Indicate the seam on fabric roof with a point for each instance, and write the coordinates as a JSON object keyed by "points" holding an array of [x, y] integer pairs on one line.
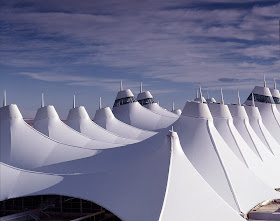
{"points": [[58, 142], [261, 129], [237, 144], [273, 111], [246, 126], [223, 167], [168, 177]]}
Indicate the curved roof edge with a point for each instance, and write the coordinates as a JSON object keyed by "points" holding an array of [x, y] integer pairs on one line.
{"points": [[124, 94], [197, 110]]}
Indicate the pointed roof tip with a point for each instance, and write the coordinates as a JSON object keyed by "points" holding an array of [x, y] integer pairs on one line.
{"points": [[253, 100], [172, 133], [222, 97], [275, 86], [100, 105], [5, 99], [42, 100], [74, 101], [264, 81], [238, 101], [121, 86], [141, 89]]}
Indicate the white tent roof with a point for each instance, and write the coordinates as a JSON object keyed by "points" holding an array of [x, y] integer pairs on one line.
{"points": [[198, 99], [47, 122], [262, 91], [275, 93], [177, 111], [264, 165], [216, 162], [16, 182], [260, 129], [25, 147], [154, 106], [106, 119], [144, 95], [182, 194], [158, 191], [211, 100], [124, 93], [79, 120], [258, 145], [136, 115], [268, 111], [156, 178]]}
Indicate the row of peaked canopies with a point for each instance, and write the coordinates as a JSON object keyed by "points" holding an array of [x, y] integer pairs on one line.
{"points": [[209, 162]]}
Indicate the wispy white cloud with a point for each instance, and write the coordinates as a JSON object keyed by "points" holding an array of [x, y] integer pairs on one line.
{"points": [[111, 84]]}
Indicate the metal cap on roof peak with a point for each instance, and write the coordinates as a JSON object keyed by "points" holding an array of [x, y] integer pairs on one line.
{"points": [[197, 109], [144, 95], [46, 112], [124, 93], [102, 113]]}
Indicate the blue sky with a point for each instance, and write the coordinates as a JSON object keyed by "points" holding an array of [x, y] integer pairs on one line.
{"points": [[86, 47]]}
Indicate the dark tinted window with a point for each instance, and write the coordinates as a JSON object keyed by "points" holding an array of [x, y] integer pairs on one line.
{"points": [[146, 101], [261, 98], [276, 100], [123, 101]]}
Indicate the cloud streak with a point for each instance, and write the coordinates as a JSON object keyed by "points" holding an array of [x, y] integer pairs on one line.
{"points": [[150, 39]]}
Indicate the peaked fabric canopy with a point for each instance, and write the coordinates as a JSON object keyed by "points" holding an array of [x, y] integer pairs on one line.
{"points": [[136, 115], [177, 111], [47, 122], [215, 161], [260, 129], [276, 96], [154, 106], [140, 191], [23, 146], [139, 169], [79, 120], [106, 119], [261, 162], [268, 110]]}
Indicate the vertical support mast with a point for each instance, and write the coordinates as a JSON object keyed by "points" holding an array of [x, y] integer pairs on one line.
{"points": [[200, 94], [238, 101], [253, 100], [42, 100], [121, 86], [74, 102], [100, 106], [222, 96], [141, 87], [5, 99]]}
